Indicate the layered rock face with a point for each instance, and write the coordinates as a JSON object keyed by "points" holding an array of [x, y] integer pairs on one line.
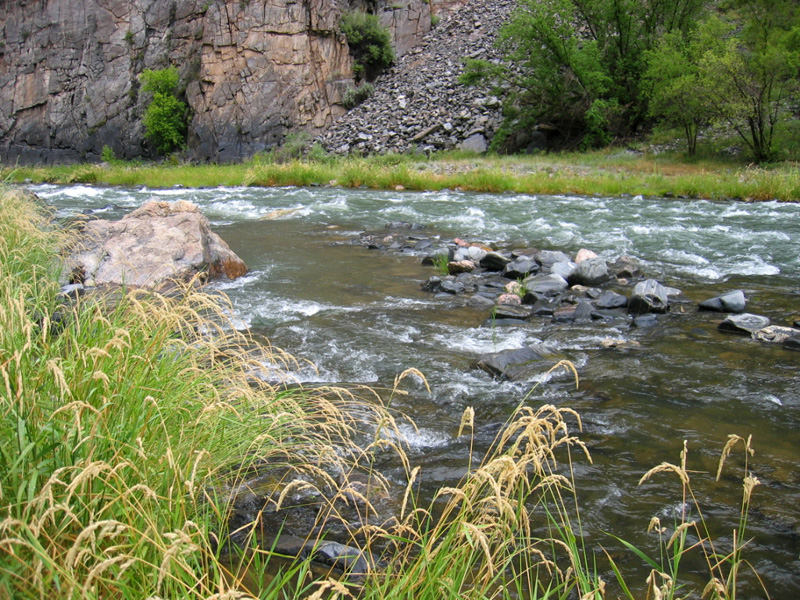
{"points": [[253, 70]]}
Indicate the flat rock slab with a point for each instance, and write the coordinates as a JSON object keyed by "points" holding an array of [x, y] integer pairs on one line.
{"points": [[155, 245], [522, 364], [745, 323]]}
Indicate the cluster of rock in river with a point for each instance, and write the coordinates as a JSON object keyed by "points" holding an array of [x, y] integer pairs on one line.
{"points": [[419, 102], [518, 285]]}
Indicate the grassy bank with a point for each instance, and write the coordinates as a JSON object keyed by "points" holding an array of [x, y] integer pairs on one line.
{"points": [[603, 173], [127, 422]]}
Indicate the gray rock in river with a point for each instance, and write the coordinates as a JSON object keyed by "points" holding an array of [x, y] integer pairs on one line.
{"points": [[546, 285], [610, 300], [155, 245], [649, 296], [494, 261], [563, 269], [522, 364], [775, 334], [732, 302], [745, 323], [592, 271], [521, 267], [547, 258], [793, 343]]}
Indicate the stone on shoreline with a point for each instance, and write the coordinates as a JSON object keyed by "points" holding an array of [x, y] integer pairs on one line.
{"points": [[157, 244]]}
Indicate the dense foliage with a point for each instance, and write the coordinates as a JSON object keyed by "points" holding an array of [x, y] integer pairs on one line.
{"points": [[600, 70], [165, 119], [370, 43]]}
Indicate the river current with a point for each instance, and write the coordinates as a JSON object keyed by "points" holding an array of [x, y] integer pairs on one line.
{"points": [[360, 316]]}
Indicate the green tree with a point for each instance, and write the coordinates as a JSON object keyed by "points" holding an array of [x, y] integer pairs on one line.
{"points": [[674, 85], [166, 116], [750, 68], [579, 64], [370, 43]]}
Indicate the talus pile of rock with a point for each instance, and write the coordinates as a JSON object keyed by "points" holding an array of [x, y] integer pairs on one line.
{"points": [[419, 103]]}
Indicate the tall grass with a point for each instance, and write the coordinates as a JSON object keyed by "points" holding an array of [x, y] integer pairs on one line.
{"points": [[125, 420]]}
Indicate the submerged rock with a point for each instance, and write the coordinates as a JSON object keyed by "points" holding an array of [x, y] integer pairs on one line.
{"points": [[609, 299], [732, 302], [745, 323], [158, 243]]}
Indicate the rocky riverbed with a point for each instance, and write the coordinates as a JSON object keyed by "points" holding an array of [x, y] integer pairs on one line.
{"points": [[523, 284]]}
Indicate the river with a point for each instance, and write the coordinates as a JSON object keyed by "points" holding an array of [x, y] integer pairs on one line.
{"points": [[360, 316]]}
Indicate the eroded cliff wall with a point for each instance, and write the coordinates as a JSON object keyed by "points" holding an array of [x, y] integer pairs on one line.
{"points": [[253, 70]]}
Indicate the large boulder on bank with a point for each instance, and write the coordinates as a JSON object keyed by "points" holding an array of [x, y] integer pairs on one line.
{"points": [[732, 302], [157, 244], [648, 296]]}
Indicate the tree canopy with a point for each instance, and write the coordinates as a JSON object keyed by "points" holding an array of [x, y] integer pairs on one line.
{"points": [[600, 70]]}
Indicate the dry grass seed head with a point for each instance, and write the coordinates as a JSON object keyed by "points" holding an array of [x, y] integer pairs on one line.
{"points": [[733, 440]]}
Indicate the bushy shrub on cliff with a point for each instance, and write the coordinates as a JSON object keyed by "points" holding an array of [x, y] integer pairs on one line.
{"points": [[165, 119], [370, 43]]}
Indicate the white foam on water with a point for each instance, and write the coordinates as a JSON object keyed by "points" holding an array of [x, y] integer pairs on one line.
{"points": [[422, 438], [482, 340]]}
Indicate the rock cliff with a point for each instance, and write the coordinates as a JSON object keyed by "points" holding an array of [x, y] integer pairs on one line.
{"points": [[253, 70]]}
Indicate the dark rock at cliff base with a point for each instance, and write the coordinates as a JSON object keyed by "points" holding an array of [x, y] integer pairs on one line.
{"points": [[522, 364], [592, 271], [745, 323], [611, 300], [158, 243], [732, 302]]}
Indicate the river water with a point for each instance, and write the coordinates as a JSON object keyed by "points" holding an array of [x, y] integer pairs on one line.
{"points": [[360, 316]]}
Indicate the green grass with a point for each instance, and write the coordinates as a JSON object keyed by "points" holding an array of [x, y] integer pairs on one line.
{"points": [[601, 173]]}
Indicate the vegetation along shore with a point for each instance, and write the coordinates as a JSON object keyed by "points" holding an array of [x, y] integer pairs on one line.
{"points": [[611, 172]]}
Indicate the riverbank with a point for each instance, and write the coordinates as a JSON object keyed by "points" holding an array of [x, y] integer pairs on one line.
{"points": [[603, 173]]}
